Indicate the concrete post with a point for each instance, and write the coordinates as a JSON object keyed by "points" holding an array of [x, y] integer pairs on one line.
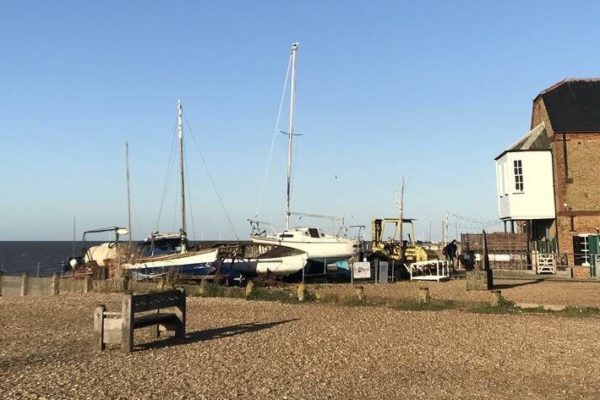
{"points": [[87, 284], [25, 284], [55, 284]]}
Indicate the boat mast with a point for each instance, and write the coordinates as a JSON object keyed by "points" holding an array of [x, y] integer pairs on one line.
{"points": [[291, 134], [399, 228], [128, 191], [182, 180]]}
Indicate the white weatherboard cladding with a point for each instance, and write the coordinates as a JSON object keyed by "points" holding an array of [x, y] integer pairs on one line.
{"points": [[536, 201]]}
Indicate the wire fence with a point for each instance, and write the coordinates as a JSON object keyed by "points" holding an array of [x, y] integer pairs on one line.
{"points": [[37, 269]]}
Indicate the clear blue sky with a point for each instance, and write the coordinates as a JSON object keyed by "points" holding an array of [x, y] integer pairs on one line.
{"points": [[429, 90]]}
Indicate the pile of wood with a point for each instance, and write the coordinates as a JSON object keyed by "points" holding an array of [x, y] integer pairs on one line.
{"points": [[497, 242]]}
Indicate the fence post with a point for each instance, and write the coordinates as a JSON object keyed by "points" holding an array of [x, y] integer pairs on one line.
{"points": [[55, 284], [87, 284], [1, 273], [25, 284]]}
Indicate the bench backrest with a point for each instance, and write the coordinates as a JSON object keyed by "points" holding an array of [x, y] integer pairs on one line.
{"points": [[152, 301]]}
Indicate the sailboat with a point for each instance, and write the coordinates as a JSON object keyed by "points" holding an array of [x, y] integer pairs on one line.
{"points": [[162, 252], [319, 246]]}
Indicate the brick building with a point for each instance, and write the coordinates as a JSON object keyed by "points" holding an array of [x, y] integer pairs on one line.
{"points": [[548, 182]]}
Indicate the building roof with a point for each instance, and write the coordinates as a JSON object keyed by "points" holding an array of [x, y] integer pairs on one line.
{"points": [[535, 140], [573, 105]]}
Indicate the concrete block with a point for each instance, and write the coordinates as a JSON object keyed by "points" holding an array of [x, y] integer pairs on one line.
{"points": [[480, 280]]}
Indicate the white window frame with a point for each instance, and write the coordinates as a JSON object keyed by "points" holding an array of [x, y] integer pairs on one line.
{"points": [[518, 175]]}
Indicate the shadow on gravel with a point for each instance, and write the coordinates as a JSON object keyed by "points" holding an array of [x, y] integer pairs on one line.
{"points": [[217, 333], [514, 285]]}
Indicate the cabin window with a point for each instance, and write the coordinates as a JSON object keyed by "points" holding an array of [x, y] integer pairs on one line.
{"points": [[518, 169], [314, 232], [286, 235]]}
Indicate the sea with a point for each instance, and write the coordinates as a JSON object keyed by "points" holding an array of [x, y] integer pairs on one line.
{"points": [[38, 258], [45, 258]]}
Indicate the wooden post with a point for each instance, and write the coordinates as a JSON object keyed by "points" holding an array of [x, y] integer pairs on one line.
{"points": [[87, 284], [99, 327], [160, 283], [127, 325], [25, 284], [203, 289], [249, 288], [319, 295], [423, 295], [301, 292], [55, 284], [496, 298], [125, 282], [360, 293], [1, 273]]}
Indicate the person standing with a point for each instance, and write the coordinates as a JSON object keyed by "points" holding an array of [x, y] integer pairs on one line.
{"points": [[450, 252]]}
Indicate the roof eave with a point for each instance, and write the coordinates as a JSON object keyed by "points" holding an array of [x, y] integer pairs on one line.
{"points": [[519, 151]]}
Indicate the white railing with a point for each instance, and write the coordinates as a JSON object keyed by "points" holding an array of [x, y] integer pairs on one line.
{"points": [[430, 270]]}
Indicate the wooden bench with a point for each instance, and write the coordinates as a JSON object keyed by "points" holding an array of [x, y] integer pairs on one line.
{"points": [[114, 327]]}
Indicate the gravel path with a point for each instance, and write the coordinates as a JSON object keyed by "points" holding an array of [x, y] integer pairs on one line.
{"points": [[265, 350]]}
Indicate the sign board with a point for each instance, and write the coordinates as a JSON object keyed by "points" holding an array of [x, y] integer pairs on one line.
{"points": [[499, 257], [361, 270], [383, 272]]}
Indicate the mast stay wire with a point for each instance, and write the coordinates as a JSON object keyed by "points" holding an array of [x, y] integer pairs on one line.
{"points": [[189, 195], [167, 179], [275, 132], [212, 181]]}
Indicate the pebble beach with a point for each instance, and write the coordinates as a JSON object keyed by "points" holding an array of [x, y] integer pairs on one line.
{"points": [[236, 348]]}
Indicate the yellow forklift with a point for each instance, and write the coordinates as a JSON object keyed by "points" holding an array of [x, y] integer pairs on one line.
{"points": [[396, 249]]}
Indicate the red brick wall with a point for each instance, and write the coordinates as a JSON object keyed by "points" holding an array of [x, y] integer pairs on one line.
{"points": [[578, 195], [580, 272]]}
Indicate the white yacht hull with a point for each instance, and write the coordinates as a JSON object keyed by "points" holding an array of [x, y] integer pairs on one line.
{"points": [[325, 250]]}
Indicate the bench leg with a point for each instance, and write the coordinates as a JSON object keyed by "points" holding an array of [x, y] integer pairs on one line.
{"points": [[179, 331], [180, 326], [157, 325], [127, 325]]}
